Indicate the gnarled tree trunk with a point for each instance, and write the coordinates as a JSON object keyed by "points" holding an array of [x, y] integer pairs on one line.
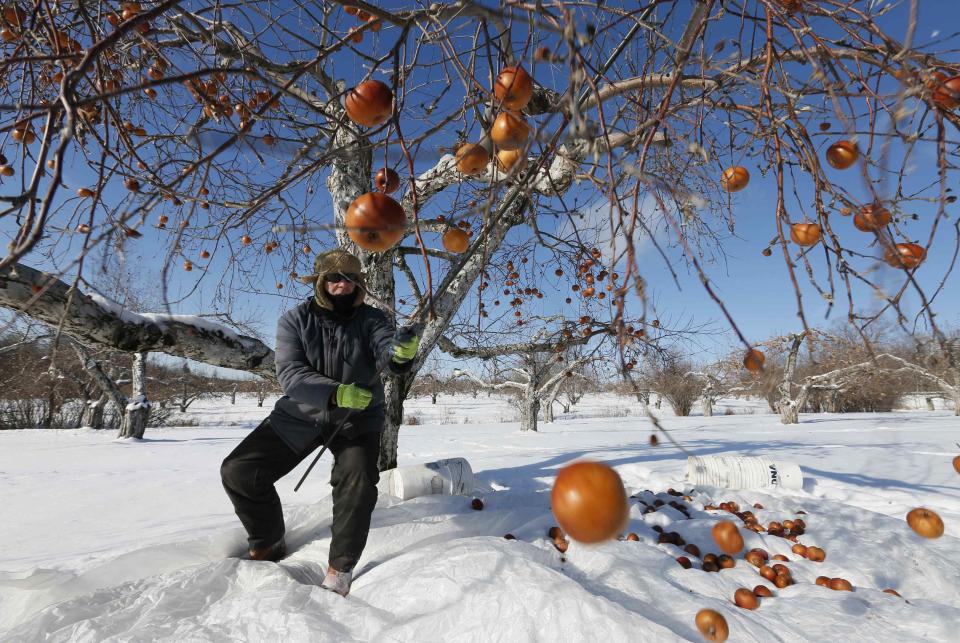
{"points": [[789, 412], [137, 409], [395, 391], [93, 412], [547, 409], [789, 408], [707, 405], [529, 405]]}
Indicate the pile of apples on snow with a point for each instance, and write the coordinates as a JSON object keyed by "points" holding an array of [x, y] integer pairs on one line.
{"points": [[590, 504]]}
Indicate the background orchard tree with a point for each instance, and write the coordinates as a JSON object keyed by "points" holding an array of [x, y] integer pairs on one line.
{"points": [[672, 376], [570, 390], [835, 371], [714, 384], [534, 368], [430, 381], [30, 391], [219, 133]]}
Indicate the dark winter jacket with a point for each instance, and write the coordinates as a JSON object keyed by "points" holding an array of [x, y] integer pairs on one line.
{"points": [[319, 349]]}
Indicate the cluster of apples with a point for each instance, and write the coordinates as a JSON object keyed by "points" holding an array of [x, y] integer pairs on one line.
{"points": [[872, 217], [128, 11], [728, 538], [589, 283], [710, 562], [511, 280], [355, 34], [788, 529], [589, 502], [725, 533], [375, 221], [513, 89], [14, 22]]}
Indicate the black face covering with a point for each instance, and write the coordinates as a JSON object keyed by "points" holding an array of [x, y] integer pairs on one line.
{"points": [[342, 304]]}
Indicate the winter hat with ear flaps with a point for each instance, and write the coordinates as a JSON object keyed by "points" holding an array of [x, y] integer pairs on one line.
{"points": [[336, 260]]}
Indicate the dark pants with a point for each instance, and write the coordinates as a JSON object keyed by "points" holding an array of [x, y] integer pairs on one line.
{"points": [[262, 458]]}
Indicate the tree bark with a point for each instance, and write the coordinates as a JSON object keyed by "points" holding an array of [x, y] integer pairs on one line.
{"points": [[47, 421], [108, 387], [790, 410], [94, 322], [84, 403], [455, 289], [789, 413], [548, 410], [552, 393], [831, 400], [137, 409], [708, 405], [956, 392], [93, 412], [529, 407], [395, 391]]}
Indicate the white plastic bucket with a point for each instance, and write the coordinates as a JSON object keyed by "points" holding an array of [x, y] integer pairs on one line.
{"points": [[452, 477], [737, 472]]}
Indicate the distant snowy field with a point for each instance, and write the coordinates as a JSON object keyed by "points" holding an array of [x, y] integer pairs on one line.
{"points": [[115, 540]]}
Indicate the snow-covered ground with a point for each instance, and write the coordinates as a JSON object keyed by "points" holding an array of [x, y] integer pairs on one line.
{"points": [[119, 540]]}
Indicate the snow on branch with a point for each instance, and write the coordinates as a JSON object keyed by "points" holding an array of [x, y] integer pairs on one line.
{"points": [[840, 375], [488, 352], [507, 384], [919, 370], [570, 370], [94, 320], [109, 387], [25, 342]]}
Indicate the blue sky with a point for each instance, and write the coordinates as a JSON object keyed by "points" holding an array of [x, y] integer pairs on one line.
{"points": [[755, 288]]}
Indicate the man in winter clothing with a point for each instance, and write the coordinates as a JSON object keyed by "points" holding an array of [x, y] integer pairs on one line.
{"points": [[330, 350]]}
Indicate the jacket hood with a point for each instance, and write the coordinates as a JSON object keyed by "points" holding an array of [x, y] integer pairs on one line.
{"points": [[336, 260]]}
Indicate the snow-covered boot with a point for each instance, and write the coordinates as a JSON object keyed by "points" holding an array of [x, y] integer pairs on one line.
{"points": [[273, 553], [338, 582]]}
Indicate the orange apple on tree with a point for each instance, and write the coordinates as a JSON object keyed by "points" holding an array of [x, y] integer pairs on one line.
{"points": [[842, 154], [375, 222], [734, 178]]}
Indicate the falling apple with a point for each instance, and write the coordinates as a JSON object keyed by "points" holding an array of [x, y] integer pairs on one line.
{"points": [[589, 501]]}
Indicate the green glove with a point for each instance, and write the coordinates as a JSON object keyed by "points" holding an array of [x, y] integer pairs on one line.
{"points": [[405, 348], [351, 396]]}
